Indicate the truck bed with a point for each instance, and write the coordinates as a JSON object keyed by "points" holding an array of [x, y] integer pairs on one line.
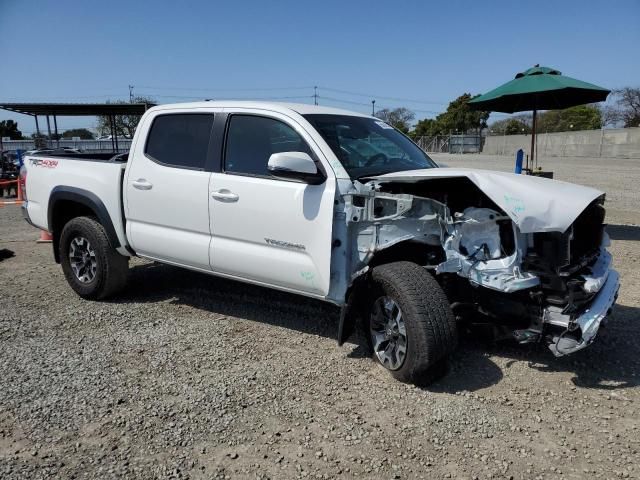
{"points": [[96, 175]]}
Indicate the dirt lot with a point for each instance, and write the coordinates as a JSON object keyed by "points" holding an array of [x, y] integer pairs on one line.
{"points": [[190, 376]]}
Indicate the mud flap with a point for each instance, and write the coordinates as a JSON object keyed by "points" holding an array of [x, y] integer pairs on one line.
{"points": [[347, 323]]}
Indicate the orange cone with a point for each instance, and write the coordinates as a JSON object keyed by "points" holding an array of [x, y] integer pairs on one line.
{"points": [[45, 237]]}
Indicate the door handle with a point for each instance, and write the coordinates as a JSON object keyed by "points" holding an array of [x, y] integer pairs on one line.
{"points": [[224, 195], [142, 184]]}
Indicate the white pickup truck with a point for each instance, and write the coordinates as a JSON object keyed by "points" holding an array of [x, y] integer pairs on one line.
{"points": [[338, 206]]}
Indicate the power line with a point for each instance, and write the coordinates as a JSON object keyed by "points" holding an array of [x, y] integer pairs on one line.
{"points": [[395, 99], [351, 102], [191, 97], [309, 87], [209, 89]]}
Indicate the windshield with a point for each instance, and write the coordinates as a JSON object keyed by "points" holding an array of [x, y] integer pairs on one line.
{"points": [[366, 146]]}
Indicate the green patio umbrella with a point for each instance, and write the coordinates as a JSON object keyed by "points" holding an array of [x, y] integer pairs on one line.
{"points": [[539, 88]]}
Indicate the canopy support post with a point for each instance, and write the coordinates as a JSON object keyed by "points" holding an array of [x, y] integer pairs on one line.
{"points": [[113, 133], [533, 139], [49, 131], [55, 129]]}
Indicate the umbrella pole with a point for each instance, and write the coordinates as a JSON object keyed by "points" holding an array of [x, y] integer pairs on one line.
{"points": [[533, 137]]}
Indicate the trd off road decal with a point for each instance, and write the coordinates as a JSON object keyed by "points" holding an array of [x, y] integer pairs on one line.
{"points": [[43, 162]]}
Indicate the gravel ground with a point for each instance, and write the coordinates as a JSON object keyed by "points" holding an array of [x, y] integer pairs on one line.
{"points": [[189, 376]]}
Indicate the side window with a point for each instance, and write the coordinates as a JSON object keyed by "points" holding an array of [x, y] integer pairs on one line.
{"points": [[180, 140], [251, 140]]}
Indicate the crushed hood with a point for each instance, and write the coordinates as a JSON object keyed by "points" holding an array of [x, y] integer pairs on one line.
{"points": [[535, 204]]}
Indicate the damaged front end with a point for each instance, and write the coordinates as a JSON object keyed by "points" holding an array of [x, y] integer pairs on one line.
{"points": [[543, 279]]}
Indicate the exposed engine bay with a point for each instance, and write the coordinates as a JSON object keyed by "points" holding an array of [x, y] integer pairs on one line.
{"points": [[518, 256]]}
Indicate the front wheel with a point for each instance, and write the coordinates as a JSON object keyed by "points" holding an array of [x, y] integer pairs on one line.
{"points": [[411, 328], [92, 267]]}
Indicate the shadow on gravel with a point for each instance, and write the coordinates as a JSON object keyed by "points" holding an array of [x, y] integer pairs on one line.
{"points": [[5, 253], [155, 282], [612, 362], [624, 232], [470, 369]]}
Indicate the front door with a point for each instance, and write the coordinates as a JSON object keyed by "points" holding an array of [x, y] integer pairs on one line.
{"points": [[264, 229], [167, 190]]}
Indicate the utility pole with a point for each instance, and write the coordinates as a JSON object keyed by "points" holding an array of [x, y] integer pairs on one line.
{"points": [[315, 95], [373, 108], [130, 93]]}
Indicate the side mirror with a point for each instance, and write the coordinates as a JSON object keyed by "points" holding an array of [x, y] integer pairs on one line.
{"points": [[296, 166]]}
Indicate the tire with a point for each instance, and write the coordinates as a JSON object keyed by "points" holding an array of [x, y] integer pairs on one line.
{"points": [[104, 272], [430, 333]]}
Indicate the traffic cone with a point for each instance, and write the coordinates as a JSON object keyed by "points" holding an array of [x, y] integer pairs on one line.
{"points": [[45, 237]]}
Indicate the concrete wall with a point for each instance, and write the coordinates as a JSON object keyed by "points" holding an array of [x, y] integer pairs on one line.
{"points": [[616, 143]]}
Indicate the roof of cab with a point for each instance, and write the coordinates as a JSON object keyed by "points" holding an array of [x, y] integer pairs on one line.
{"points": [[301, 108]]}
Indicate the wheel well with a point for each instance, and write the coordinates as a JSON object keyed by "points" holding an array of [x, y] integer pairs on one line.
{"points": [[66, 202], [63, 211], [410, 251]]}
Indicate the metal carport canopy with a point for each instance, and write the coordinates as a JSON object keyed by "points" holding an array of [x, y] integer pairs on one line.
{"points": [[75, 110]]}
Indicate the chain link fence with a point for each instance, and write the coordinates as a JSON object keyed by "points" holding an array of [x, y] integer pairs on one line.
{"points": [[450, 143]]}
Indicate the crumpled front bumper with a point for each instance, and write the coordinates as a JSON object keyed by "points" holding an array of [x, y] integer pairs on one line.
{"points": [[587, 324]]}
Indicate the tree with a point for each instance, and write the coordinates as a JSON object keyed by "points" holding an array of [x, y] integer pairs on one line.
{"points": [[516, 126], [125, 125], [428, 127], [83, 133], [9, 128], [611, 116], [628, 106], [457, 118], [460, 118], [512, 126], [399, 118], [581, 117]]}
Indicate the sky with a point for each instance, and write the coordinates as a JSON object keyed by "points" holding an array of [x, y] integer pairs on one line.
{"points": [[419, 55]]}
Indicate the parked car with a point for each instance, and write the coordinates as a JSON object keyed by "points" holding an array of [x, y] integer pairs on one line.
{"points": [[290, 197]]}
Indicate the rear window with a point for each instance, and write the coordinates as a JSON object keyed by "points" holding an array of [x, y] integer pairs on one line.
{"points": [[180, 140]]}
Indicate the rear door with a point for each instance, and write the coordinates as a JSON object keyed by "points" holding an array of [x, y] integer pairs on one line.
{"points": [[264, 229], [167, 188]]}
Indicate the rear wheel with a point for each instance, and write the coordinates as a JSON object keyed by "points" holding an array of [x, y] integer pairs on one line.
{"points": [[411, 328], [92, 267]]}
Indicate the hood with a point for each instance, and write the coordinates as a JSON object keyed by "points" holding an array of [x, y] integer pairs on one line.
{"points": [[534, 204]]}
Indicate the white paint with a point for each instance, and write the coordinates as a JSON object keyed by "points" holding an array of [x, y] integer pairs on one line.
{"points": [[248, 234], [103, 179], [534, 204], [166, 207]]}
